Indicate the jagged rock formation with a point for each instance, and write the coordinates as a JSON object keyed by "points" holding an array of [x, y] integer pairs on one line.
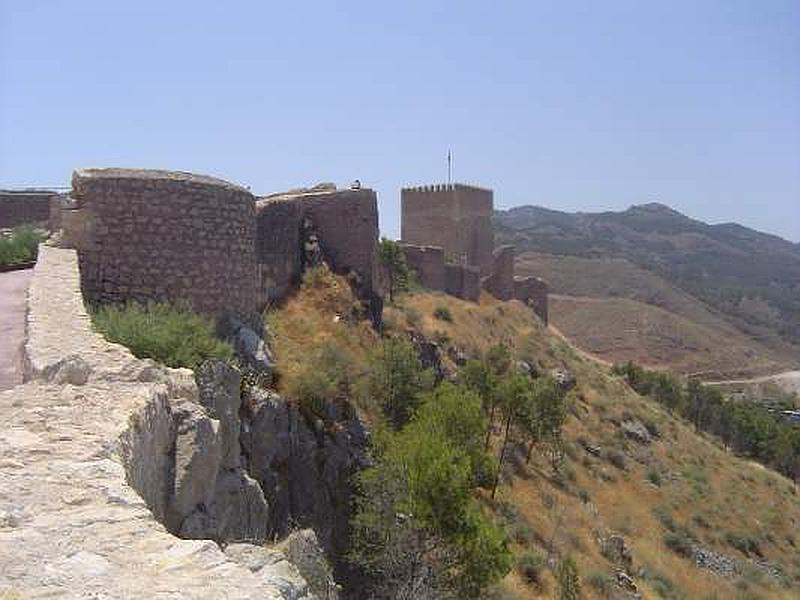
{"points": [[93, 426], [304, 466]]}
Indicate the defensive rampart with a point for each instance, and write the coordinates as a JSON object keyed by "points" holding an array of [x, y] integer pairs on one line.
{"points": [[427, 262], [92, 425], [463, 281], [533, 292], [295, 228], [500, 283], [21, 207], [165, 236]]}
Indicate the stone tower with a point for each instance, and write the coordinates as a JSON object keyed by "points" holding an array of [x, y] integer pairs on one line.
{"points": [[456, 217]]}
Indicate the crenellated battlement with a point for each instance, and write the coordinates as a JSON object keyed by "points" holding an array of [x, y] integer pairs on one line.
{"points": [[444, 187]]}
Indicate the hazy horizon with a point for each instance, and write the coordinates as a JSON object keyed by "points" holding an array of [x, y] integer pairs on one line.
{"points": [[573, 106]]}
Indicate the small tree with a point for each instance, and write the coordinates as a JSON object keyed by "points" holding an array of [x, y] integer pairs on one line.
{"points": [[514, 397], [393, 260], [418, 529], [569, 584], [396, 379], [544, 417]]}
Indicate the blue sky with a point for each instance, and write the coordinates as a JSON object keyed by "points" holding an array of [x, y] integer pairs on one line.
{"points": [[571, 105]]}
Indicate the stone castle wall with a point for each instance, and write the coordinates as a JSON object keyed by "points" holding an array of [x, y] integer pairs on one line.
{"points": [[279, 248], [427, 262], [533, 292], [25, 207], [500, 283], [166, 236], [101, 445], [456, 217], [463, 281], [344, 224]]}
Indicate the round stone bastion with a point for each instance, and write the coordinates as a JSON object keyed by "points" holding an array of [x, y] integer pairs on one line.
{"points": [[152, 235]]}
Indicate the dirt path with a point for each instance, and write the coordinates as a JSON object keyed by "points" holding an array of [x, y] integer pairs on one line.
{"points": [[13, 306], [789, 380], [581, 352]]}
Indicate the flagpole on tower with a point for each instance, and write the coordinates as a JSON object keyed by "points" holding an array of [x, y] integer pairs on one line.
{"points": [[449, 167]]}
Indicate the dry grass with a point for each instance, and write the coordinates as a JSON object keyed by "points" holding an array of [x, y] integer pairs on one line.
{"points": [[702, 488], [323, 311], [614, 309], [619, 329]]}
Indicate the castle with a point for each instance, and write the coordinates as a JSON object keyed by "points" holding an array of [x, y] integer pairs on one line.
{"points": [[163, 235], [448, 241]]}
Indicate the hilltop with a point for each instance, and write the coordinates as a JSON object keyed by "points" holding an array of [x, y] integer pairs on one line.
{"points": [[719, 298]]}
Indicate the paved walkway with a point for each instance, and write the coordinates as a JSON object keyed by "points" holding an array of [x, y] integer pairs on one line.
{"points": [[13, 303]]}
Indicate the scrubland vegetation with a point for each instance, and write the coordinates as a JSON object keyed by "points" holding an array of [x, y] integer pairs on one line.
{"points": [[747, 428], [21, 245], [173, 335]]}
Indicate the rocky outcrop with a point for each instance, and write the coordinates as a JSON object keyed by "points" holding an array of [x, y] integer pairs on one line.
{"points": [[89, 462], [635, 430], [430, 356], [305, 469]]}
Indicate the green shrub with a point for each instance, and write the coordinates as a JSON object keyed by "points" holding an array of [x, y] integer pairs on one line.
{"points": [[654, 477], [316, 277], [569, 583], [665, 587], [327, 373], [443, 314], [171, 334], [21, 246], [441, 338], [679, 543], [744, 543], [312, 389], [530, 566], [665, 517]]}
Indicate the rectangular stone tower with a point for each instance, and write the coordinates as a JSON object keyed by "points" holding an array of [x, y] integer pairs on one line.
{"points": [[456, 217]]}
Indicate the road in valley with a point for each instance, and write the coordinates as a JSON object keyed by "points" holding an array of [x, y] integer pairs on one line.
{"points": [[788, 380]]}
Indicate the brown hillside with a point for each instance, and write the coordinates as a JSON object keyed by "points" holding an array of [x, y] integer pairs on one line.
{"points": [[716, 496], [619, 311], [680, 484]]}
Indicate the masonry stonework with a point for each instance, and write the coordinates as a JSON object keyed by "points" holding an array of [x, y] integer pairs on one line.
{"points": [[500, 283], [463, 281], [344, 224], [166, 236], [449, 227], [533, 292], [25, 207], [454, 216], [427, 262]]}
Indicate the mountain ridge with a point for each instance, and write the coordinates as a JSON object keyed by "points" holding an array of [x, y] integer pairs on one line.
{"points": [[750, 277]]}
